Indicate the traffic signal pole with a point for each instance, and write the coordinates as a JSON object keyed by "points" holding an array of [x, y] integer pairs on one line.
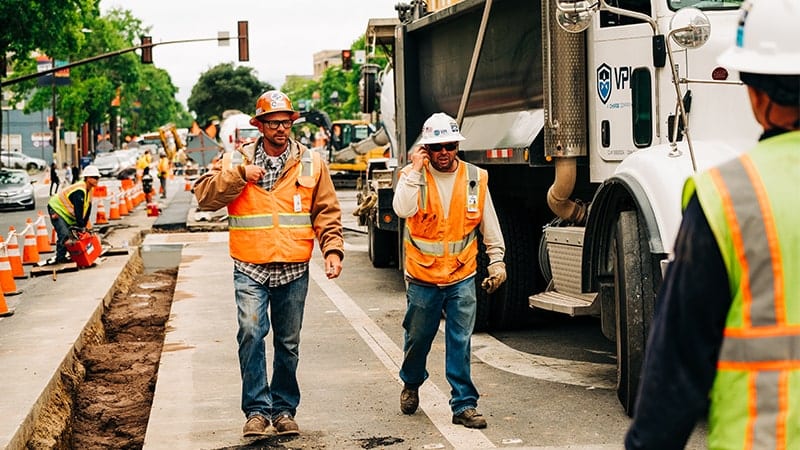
{"points": [[146, 47]]}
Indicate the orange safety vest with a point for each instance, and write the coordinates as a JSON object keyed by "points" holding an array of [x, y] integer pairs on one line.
{"points": [[275, 226], [443, 251]]}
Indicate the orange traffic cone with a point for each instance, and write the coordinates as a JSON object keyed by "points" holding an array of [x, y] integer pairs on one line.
{"points": [[129, 200], [42, 243], [54, 237], [14, 256], [113, 211], [101, 213], [4, 311], [30, 253], [187, 186], [7, 283], [123, 205]]}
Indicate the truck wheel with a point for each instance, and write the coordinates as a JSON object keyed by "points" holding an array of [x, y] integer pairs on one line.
{"points": [[508, 308], [634, 294], [382, 247]]}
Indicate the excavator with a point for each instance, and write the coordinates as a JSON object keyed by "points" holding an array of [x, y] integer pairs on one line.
{"points": [[351, 144]]}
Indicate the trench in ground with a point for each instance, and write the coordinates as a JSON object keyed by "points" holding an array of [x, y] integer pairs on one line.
{"points": [[103, 396]]}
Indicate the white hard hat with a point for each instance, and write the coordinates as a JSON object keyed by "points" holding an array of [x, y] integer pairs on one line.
{"points": [[767, 39], [90, 171], [440, 128]]}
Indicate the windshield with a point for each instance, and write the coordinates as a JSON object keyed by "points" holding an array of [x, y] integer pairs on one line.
{"points": [[249, 133], [12, 178], [705, 4]]}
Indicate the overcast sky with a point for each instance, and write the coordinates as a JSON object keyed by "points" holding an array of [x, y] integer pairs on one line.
{"points": [[284, 35]]}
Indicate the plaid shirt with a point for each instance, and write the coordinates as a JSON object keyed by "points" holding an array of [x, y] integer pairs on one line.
{"points": [[271, 274]]}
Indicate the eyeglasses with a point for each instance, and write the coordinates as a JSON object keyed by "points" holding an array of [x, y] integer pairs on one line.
{"points": [[450, 146], [274, 124]]}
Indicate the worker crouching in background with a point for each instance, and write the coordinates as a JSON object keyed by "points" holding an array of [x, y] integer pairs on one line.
{"points": [[70, 210]]}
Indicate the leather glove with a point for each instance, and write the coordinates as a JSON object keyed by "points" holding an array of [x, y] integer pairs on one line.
{"points": [[497, 276]]}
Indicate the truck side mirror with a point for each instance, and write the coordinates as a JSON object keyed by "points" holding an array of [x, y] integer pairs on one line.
{"points": [[690, 28], [575, 16]]}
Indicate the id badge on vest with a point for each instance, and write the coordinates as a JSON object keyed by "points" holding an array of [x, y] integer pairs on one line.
{"points": [[472, 203], [298, 204]]}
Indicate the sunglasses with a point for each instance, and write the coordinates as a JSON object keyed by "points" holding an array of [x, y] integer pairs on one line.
{"points": [[450, 146], [274, 124]]}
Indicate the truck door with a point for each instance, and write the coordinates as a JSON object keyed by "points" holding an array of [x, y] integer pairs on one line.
{"points": [[619, 57]]}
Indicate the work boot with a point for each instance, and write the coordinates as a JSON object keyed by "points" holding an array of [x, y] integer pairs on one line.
{"points": [[256, 425], [470, 418], [285, 425], [409, 400]]}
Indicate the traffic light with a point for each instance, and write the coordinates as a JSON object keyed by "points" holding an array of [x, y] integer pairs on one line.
{"points": [[147, 50], [347, 59], [244, 48]]}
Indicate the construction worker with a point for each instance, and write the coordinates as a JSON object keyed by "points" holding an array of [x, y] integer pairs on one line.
{"points": [[70, 211], [278, 200], [725, 337], [445, 202], [163, 172], [144, 160]]}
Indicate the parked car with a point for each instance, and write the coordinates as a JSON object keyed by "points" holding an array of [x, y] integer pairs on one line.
{"points": [[16, 189], [19, 160], [115, 164]]}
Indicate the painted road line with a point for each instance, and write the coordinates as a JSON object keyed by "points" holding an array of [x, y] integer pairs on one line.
{"points": [[432, 401]]}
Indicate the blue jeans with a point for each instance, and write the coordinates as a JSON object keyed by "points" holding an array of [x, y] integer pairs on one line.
{"points": [[62, 233], [425, 306], [286, 303]]}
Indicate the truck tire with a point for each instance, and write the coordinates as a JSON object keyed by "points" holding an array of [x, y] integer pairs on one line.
{"points": [[634, 295], [382, 246], [507, 308]]}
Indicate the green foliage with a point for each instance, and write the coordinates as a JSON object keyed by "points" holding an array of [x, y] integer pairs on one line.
{"points": [[224, 87], [345, 103], [50, 26]]}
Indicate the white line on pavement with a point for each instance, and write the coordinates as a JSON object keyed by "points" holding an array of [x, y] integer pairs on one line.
{"points": [[432, 400]]}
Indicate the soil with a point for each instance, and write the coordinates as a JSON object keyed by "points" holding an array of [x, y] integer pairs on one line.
{"points": [[113, 401], [104, 395]]}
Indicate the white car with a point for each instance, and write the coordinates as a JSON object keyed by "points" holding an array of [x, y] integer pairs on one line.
{"points": [[19, 160]]}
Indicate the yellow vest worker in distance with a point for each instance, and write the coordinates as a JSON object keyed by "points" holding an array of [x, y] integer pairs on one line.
{"points": [[278, 201], [725, 337], [445, 202], [71, 209]]}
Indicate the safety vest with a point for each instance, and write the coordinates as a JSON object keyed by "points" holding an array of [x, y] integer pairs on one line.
{"points": [[275, 226], [443, 251], [64, 207], [163, 167], [751, 204]]}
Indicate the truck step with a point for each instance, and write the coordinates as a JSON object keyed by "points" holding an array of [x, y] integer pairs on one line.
{"points": [[574, 305]]}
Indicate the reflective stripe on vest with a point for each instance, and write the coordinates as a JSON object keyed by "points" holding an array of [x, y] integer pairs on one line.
{"points": [[749, 204], [437, 248]]}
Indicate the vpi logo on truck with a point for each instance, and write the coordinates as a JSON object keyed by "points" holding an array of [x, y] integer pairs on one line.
{"points": [[604, 80]]}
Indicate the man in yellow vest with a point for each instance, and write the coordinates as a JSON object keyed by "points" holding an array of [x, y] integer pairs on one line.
{"points": [[71, 209], [278, 201], [445, 202], [725, 338]]}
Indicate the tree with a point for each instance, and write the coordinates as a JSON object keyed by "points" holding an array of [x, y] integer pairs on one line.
{"points": [[50, 26], [225, 87]]}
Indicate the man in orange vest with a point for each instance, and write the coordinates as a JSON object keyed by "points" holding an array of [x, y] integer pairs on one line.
{"points": [[725, 337], [278, 201], [71, 209], [445, 202]]}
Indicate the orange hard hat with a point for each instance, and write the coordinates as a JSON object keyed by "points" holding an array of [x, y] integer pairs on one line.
{"points": [[271, 102]]}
